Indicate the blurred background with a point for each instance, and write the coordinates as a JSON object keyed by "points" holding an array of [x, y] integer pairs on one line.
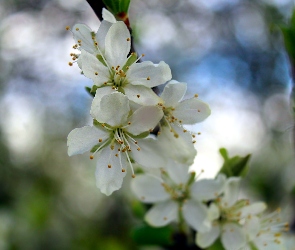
{"points": [[230, 52]]}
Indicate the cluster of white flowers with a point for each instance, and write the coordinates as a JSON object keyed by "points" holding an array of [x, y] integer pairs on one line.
{"points": [[125, 112], [209, 206]]}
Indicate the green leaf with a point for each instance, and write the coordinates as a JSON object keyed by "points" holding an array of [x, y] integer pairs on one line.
{"points": [[117, 7], [146, 235], [235, 166]]}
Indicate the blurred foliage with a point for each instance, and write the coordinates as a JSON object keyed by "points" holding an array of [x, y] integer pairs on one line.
{"points": [[235, 166]]}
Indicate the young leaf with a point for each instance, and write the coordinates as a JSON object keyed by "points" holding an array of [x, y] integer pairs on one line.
{"points": [[118, 7], [235, 166]]}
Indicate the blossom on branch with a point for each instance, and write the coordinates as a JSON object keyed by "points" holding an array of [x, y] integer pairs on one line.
{"points": [[177, 197], [118, 137]]}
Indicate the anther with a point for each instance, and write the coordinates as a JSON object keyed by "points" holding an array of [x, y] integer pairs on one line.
{"points": [[142, 55], [67, 27], [123, 170], [196, 95], [194, 141], [129, 123], [79, 41], [138, 149], [138, 96], [184, 131], [77, 29], [70, 64], [91, 157], [133, 176], [109, 166], [199, 133], [128, 39], [148, 78], [199, 110], [100, 140], [96, 73]]}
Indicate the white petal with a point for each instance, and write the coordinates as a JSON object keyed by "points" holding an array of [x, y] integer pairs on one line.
{"points": [[91, 65], [231, 191], [101, 34], [108, 16], [177, 172], [149, 189], [191, 111], [180, 149], [173, 93], [147, 96], [144, 119], [148, 156], [196, 215], [162, 214], [114, 109], [117, 44], [252, 227], [206, 239], [253, 209], [213, 212], [81, 140], [100, 93], [208, 189], [108, 179], [233, 236], [157, 74], [82, 33]]}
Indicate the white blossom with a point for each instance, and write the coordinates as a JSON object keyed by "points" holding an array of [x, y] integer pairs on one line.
{"points": [[176, 196], [114, 69], [176, 113], [266, 231], [228, 216], [117, 138]]}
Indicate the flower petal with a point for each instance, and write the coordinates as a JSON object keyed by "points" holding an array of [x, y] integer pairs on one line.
{"points": [[231, 191], [196, 215], [93, 68], [141, 95], [208, 189], [191, 111], [252, 227], [117, 44], [100, 93], [233, 236], [149, 189], [108, 16], [205, 239], [178, 172], [173, 93], [148, 155], [253, 209], [162, 214], [183, 150], [82, 33], [144, 119], [213, 212], [101, 34], [114, 109], [108, 179], [81, 140], [139, 73]]}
